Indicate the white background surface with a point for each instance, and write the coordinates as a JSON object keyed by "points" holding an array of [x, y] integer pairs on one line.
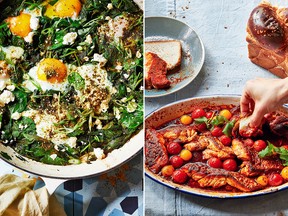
{"points": [[221, 24]]}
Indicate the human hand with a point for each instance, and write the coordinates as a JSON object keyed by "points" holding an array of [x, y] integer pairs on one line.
{"points": [[261, 96]]}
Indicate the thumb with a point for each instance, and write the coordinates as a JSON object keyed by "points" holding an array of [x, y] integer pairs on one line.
{"points": [[257, 116]]}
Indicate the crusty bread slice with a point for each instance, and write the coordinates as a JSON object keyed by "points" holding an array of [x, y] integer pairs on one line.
{"points": [[168, 50]]}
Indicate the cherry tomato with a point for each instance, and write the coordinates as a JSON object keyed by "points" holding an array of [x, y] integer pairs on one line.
{"points": [[179, 176], [226, 113], [198, 113], [174, 148], [176, 161], [284, 173], [202, 127], [225, 140], [167, 170], [275, 179], [262, 180], [230, 165], [217, 131], [186, 119], [248, 142], [214, 162], [259, 145], [197, 156], [185, 154], [285, 147], [209, 114]]}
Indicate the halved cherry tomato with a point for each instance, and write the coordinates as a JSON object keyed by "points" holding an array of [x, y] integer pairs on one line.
{"points": [[174, 148], [176, 161], [186, 119], [248, 142], [225, 140], [214, 162], [186, 155], [275, 179], [259, 145], [167, 170], [230, 165], [179, 176], [198, 113], [226, 113], [217, 131]]}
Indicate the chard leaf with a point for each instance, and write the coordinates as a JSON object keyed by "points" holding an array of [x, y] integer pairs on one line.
{"points": [[268, 151], [76, 80]]}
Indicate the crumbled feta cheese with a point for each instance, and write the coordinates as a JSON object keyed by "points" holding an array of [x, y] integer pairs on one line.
{"points": [[16, 115], [13, 52], [6, 97], [79, 48], [126, 76], [99, 58], [117, 113], [110, 6], [34, 23], [53, 156], [118, 67], [72, 141], [131, 106], [86, 58], [2, 84], [128, 90], [138, 54], [107, 18], [88, 39], [99, 153], [29, 37], [98, 123], [21, 127], [69, 38], [141, 88], [10, 87]]}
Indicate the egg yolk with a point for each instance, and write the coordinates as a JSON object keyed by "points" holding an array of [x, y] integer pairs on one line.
{"points": [[52, 70], [64, 8], [20, 25]]}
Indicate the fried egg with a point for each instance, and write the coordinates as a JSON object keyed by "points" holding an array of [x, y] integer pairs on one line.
{"points": [[24, 23], [64, 8], [20, 25], [49, 73]]}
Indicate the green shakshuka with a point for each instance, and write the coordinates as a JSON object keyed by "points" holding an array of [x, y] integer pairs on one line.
{"points": [[71, 78]]}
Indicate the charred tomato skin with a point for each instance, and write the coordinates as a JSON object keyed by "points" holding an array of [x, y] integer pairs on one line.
{"points": [[230, 165], [179, 176]]}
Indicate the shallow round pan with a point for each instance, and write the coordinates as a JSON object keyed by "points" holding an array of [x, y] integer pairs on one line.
{"points": [[175, 110], [113, 160], [164, 28]]}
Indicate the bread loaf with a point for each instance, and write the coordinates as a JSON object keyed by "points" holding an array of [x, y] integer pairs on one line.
{"points": [[267, 37], [168, 50]]}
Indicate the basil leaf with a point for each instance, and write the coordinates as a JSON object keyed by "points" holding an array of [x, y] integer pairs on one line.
{"points": [[268, 151], [76, 80], [228, 128]]}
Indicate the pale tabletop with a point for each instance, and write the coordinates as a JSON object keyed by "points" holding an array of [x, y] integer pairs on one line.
{"points": [[222, 27]]}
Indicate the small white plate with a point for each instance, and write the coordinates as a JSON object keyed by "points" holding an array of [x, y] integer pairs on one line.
{"points": [[165, 28]]}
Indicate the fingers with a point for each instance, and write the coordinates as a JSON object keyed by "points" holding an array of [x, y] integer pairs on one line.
{"points": [[245, 103], [257, 116]]}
